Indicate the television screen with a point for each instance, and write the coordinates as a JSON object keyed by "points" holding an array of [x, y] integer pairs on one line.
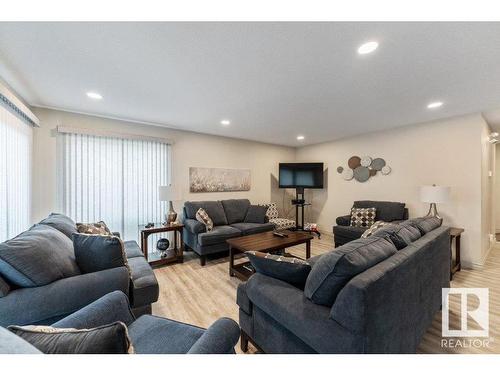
{"points": [[301, 175]]}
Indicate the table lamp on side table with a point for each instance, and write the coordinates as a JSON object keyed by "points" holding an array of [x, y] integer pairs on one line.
{"points": [[169, 194], [434, 194]]}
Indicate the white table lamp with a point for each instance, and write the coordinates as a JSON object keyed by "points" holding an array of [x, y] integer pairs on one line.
{"points": [[169, 194], [434, 194]]}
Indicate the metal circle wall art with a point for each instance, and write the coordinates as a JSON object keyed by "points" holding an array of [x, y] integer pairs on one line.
{"points": [[361, 169]]}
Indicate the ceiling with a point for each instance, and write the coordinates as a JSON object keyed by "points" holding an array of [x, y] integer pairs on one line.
{"points": [[273, 81]]}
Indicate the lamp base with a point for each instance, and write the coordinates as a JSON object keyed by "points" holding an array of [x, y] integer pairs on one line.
{"points": [[171, 215], [433, 212]]}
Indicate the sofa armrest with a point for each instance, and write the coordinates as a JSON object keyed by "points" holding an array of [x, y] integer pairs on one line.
{"points": [[344, 220], [194, 226], [113, 307], [47, 304], [219, 338]]}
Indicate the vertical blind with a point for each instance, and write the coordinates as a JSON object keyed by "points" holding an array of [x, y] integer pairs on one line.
{"points": [[16, 139], [112, 179]]}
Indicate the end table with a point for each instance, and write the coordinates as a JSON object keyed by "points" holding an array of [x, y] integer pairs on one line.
{"points": [[173, 255], [455, 235]]}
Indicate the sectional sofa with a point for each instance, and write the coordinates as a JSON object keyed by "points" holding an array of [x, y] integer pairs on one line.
{"points": [[367, 296], [229, 221], [41, 283]]}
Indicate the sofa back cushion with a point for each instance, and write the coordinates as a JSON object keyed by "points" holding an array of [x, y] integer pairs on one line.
{"points": [[386, 211], [256, 214], [333, 270], [401, 235], [60, 222], [426, 224], [235, 209], [37, 257], [214, 209]]}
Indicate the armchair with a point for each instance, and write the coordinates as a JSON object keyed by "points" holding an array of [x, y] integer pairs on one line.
{"points": [[149, 334]]}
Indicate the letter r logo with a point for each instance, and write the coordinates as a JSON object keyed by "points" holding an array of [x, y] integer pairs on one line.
{"points": [[480, 314]]}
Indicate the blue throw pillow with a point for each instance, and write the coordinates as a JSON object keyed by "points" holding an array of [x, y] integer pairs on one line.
{"points": [[289, 269], [333, 270], [95, 253], [109, 339]]}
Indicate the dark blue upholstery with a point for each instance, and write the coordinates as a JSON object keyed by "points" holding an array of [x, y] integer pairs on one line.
{"points": [[96, 253], [132, 249], [385, 309], [4, 287], [10, 343], [232, 211], [62, 223]]}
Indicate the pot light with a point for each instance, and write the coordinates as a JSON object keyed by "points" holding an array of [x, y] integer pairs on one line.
{"points": [[434, 105], [368, 47], [94, 95], [225, 122], [300, 138]]}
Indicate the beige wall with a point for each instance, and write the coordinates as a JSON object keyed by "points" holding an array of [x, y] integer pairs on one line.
{"points": [[189, 150], [444, 153]]}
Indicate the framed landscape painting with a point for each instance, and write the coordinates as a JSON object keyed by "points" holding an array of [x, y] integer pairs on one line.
{"points": [[209, 180]]}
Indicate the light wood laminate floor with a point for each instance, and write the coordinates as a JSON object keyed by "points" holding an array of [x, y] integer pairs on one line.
{"points": [[199, 295]]}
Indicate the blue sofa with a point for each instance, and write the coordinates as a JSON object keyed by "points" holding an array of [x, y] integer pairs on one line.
{"points": [[40, 282], [148, 334], [384, 309], [229, 222]]}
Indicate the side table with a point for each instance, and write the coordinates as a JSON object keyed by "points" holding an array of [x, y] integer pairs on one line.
{"points": [[455, 235], [173, 255]]}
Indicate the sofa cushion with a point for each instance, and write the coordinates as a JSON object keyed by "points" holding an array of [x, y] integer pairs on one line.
{"points": [[289, 269], [252, 228], [95, 253], [386, 211], [132, 249], [401, 235], [144, 287], [426, 224], [108, 339], [218, 235], [4, 287], [333, 270], [351, 233], [194, 226], [154, 335], [256, 214], [235, 209], [374, 227], [37, 257], [214, 209], [60, 222]]}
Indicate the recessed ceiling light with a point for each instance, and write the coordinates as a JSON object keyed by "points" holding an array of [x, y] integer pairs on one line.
{"points": [[368, 47], [434, 105], [94, 95], [300, 138], [225, 122]]}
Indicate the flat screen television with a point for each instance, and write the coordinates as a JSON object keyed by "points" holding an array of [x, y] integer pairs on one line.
{"points": [[301, 175]]}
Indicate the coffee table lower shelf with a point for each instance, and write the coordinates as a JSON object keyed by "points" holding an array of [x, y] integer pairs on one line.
{"points": [[241, 271]]}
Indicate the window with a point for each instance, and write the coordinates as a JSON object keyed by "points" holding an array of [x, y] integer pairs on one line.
{"points": [[16, 139], [112, 179]]}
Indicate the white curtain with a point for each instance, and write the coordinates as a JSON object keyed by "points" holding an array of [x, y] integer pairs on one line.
{"points": [[16, 140], [112, 179]]}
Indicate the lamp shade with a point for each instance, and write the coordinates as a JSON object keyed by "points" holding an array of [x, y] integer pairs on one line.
{"points": [[169, 193], [435, 194]]}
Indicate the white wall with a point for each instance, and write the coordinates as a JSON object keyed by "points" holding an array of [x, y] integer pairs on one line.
{"points": [[189, 150], [443, 153]]}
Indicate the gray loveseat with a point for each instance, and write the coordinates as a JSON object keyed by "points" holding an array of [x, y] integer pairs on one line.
{"points": [[229, 222], [148, 334], [384, 309], [40, 281], [343, 232]]}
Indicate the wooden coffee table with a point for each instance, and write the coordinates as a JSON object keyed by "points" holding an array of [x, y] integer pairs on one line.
{"points": [[263, 242]]}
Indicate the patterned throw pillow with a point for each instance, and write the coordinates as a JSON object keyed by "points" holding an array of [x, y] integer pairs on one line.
{"points": [[375, 226], [289, 269], [362, 217], [108, 339], [202, 217], [272, 211], [94, 228]]}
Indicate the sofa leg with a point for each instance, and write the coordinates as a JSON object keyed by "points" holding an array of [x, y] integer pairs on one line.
{"points": [[243, 341], [203, 260]]}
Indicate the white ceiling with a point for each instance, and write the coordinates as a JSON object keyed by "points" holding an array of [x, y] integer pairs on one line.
{"points": [[274, 81]]}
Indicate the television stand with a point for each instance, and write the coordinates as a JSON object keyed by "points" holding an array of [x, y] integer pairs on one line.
{"points": [[299, 202]]}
